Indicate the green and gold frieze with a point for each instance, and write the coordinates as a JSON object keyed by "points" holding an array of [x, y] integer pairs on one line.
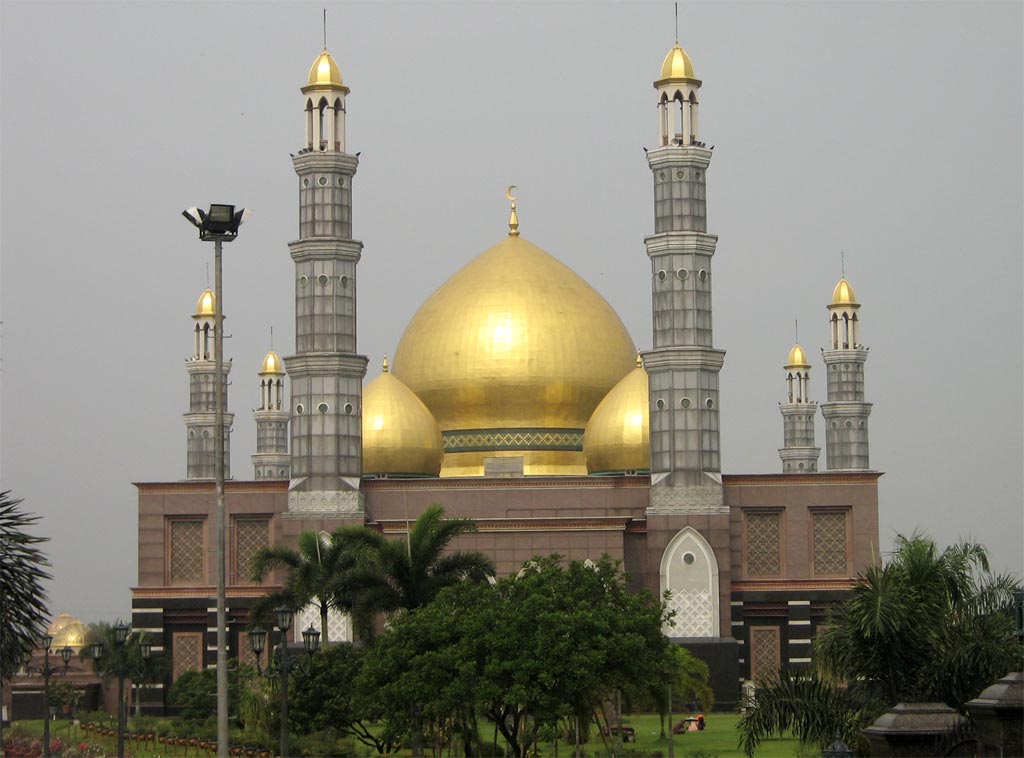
{"points": [[486, 440]]}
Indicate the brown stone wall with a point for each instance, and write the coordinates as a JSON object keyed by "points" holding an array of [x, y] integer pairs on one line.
{"points": [[796, 497]]}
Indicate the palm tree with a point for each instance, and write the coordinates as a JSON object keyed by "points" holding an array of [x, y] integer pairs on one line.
{"points": [[928, 626], [392, 575], [23, 566], [312, 575]]}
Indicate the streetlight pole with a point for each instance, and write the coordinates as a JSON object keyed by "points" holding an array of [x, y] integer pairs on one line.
{"points": [[219, 224], [47, 641], [284, 623]]}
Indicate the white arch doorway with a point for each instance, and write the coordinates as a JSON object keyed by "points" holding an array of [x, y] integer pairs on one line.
{"points": [[689, 571]]}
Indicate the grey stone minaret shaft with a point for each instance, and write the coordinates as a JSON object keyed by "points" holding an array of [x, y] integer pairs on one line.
{"points": [[683, 365], [846, 413], [326, 373], [201, 462], [798, 453], [271, 460]]}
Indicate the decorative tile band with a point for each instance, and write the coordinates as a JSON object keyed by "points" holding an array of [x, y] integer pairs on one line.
{"points": [[537, 438]]}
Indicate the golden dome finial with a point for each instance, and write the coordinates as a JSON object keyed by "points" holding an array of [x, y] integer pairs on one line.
{"points": [[384, 364], [513, 219], [639, 361]]}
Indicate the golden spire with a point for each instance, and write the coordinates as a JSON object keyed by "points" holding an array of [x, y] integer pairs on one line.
{"points": [[513, 219], [384, 365]]}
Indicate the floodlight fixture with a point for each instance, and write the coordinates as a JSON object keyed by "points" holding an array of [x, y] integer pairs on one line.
{"points": [[218, 224]]}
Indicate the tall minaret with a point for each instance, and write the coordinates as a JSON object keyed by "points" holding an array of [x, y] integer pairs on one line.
{"points": [[202, 382], [326, 372], [683, 366], [271, 460], [798, 453], [846, 413]]}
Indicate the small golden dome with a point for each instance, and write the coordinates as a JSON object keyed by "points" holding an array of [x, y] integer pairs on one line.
{"points": [[514, 352], [677, 66], [325, 73], [272, 365], [843, 294], [69, 632], [797, 358], [206, 307], [617, 437], [400, 436]]}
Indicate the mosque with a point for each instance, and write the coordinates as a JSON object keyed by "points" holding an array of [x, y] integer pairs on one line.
{"points": [[518, 399]]}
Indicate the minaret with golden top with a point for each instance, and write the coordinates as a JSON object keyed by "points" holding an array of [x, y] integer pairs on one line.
{"points": [[271, 459], [683, 365], [201, 463], [845, 411], [326, 372], [798, 453]]}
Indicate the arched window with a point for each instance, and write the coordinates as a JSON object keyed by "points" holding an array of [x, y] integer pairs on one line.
{"points": [[689, 571]]}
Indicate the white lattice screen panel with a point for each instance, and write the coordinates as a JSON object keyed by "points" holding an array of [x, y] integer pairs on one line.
{"points": [[339, 628], [694, 614]]}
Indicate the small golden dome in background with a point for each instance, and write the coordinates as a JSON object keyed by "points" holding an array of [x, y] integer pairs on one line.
{"points": [[206, 307], [617, 437], [325, 73], [272, 365], [677, 66], [843, 294], [400, 436], [514, 346], [797, 358], [69, 632]]}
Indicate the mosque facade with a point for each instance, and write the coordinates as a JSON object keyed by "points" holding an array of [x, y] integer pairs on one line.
{"points": [[517, 398]]}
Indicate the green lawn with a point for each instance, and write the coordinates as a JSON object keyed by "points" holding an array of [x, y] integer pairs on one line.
{"points": [[719, 739]]}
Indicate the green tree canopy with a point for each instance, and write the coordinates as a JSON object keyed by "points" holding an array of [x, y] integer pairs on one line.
{"points": [[23, 611], [928, 626], [549, 644]]}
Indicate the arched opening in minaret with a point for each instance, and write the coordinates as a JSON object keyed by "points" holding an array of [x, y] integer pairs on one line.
{"points": [[789, 383], [206, 342], [682, 127], [692, 133], [663, 119], [846, 331], [279, 394], [835, 332], [309, 123], [854, 331], [198, 348], [321, 108], [339, 125]]}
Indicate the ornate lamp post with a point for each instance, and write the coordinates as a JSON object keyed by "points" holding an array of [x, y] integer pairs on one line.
{"points": [[120, 638], [219, 225], [48, 671], [285, 663]]}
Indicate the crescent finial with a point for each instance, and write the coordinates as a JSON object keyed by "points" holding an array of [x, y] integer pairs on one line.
{"points": [[513, 219]]}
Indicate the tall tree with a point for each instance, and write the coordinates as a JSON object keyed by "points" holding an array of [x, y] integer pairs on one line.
{"points": [[929, 625], [396, 574], [23, 610], [312, 574]]}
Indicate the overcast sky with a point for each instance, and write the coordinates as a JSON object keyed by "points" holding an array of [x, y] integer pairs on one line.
{"points": [[891, 131]]}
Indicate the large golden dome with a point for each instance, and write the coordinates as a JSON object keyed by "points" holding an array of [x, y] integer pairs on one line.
{"points": [[512, 355], [69, 632], [400, 437], [617, 437]]}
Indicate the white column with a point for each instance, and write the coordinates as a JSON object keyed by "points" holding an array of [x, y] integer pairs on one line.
{"points": [[309, 126], [317, 119], [693, 121], [340, 115]]}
